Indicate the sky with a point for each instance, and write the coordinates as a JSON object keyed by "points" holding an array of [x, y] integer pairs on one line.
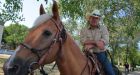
{"points": [[30, 11]]}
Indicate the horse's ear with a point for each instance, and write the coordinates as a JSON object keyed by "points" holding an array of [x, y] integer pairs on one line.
{"points": [[42, 11], [55, 10]]}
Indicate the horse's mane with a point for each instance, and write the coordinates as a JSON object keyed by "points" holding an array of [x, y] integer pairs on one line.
{"points": [[41, 19]]}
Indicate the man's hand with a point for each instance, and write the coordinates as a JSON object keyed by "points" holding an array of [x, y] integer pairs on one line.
{"points": [[89, 42], [100, 45], [88, 47]]}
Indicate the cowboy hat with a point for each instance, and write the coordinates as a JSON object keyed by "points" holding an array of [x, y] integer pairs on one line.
{"points": [[95, 13]]}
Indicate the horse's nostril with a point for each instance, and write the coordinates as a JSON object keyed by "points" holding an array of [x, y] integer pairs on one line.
{"points": [[13, 68]]}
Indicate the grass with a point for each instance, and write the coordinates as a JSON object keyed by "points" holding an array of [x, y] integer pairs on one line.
{"points": [[2, 60]]}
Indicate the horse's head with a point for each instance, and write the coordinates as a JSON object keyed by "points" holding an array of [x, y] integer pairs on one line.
{"points": [[41, 46]]}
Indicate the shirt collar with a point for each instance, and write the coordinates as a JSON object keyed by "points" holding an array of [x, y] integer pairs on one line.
{"points": [[92, 27]]}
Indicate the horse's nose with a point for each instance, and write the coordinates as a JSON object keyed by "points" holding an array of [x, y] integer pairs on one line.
{"points": [[16, 66], [13, 69]]}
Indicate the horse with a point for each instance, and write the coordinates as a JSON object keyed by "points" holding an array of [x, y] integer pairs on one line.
{"points": [[46, 42]]}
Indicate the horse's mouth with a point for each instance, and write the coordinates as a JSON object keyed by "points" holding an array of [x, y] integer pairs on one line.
{"points": [[32, 67]]}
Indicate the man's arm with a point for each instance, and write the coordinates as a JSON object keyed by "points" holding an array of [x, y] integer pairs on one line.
{"points": [[104, 39], [82, 36], [88, 44]]}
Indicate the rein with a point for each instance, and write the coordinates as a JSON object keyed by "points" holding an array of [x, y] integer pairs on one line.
{"points": [[59, 37]]}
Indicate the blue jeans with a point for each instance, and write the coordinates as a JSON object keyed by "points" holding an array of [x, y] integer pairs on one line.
{"points": [[102, 57]]}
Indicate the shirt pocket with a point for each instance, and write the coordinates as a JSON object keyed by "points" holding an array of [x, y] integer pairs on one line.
{"points": [[98, 35], [89, 36]]}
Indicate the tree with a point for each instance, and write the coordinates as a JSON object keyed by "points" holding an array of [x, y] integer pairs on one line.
{"points": [[14, 35], [121, 17], [10, 11]]}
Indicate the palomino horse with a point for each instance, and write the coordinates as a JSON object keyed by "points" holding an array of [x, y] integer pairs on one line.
{"points": [[45, 43]]}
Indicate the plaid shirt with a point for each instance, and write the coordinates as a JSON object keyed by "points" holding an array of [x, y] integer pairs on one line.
{"points": [[100, 33]]}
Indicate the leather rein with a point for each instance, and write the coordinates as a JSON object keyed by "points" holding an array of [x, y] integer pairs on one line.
{"points": [[59, 37]]}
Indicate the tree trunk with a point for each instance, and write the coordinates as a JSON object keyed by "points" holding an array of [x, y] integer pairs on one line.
{"points": [[1, 31]]}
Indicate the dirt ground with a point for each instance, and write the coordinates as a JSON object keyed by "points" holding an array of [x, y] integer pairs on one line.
{"points": [[47, 68]]}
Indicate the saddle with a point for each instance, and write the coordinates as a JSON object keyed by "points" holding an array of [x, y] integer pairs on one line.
{"points": [[96, 68]]}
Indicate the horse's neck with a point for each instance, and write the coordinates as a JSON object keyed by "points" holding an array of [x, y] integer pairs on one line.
{"points": [[71, 61]]}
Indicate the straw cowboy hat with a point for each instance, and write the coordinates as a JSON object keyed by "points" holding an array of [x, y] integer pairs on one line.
{"points": [[95, 13]]}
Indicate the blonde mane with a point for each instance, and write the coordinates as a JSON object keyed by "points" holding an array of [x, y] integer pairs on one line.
{"points": [[41, 19]]}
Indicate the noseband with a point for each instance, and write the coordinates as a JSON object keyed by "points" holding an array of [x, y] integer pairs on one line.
{"points": [[59, 37]]}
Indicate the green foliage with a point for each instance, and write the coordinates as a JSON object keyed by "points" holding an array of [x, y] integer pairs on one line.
{"points": [[72, 8], [10, 10], [14, 34], [121, 18]]}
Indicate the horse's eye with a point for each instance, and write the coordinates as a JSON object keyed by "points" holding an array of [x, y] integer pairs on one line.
{"points": [[47, 33]]}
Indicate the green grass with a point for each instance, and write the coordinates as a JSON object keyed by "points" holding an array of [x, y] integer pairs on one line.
{"points": [[2, 60]]}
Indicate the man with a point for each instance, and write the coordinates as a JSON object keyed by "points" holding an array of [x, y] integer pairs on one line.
{"points": [[94, 39], [126, 65]]}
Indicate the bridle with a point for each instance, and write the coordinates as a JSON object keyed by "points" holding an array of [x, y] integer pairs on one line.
{"points": [[59, 37]]}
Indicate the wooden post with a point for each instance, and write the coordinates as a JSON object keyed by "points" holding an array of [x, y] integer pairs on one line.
{"points": [[1, 31]]}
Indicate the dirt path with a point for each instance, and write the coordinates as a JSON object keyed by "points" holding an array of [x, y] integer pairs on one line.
{"points": [[134, 73]]}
